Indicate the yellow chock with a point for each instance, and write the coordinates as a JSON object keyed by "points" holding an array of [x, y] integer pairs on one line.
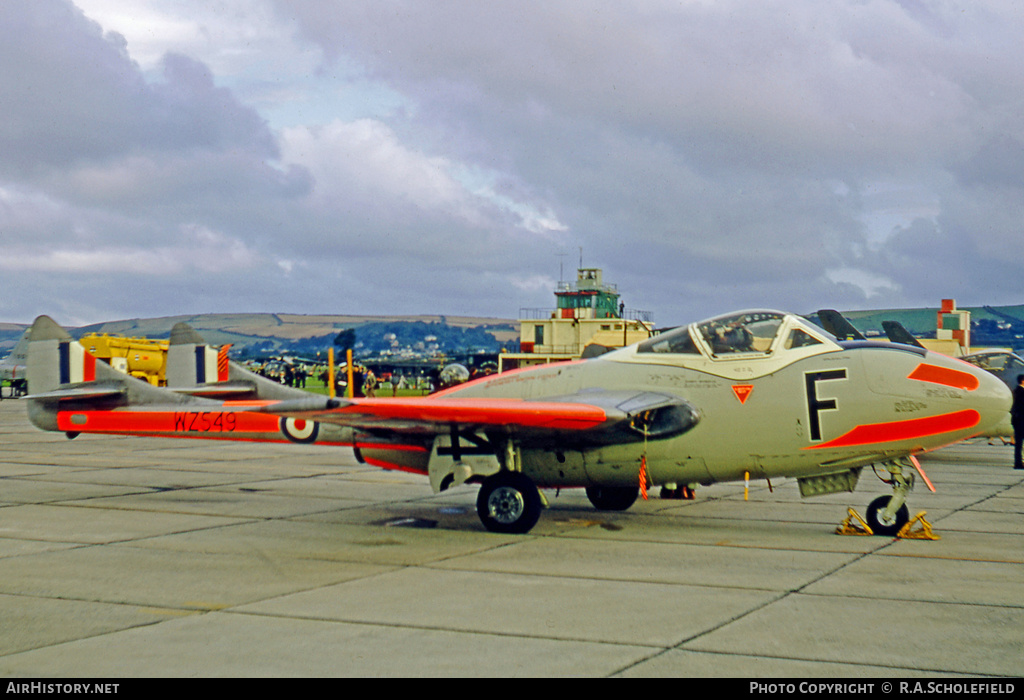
{"points": [[853, 525], [923, 533]]}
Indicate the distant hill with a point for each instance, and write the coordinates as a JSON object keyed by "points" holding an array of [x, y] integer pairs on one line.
{"points": [[281, 333], [269, 333]]}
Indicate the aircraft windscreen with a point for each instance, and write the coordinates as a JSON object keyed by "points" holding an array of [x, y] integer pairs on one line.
{"points": [[799, 338], [748, 332], [996, 362], [989, 362], [677, 340]]}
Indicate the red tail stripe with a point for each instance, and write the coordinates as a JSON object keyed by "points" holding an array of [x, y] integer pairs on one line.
{"points": [[88, 367]]}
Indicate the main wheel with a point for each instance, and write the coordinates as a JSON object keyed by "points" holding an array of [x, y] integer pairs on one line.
{"points": [[612, 497], [888, 528], [509, 503]]}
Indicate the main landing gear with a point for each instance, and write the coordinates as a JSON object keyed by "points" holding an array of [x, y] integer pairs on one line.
{"points": [[612, 497], [509, 503]]}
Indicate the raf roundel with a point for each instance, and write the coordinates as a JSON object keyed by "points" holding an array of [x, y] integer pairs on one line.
{"points": [[300, 430]]}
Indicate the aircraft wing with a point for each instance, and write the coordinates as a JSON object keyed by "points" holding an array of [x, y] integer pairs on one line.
{"points": [[587, 418]]}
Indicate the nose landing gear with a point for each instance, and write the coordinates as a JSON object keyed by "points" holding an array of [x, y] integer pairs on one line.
{"points": [[888, 516], [883, 519]]}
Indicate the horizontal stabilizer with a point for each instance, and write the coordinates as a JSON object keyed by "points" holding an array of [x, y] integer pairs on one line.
{"points": [[220, 390], [89, 390]]}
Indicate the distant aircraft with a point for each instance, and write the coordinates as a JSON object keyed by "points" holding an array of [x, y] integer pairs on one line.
{"points": [[1004, 364], [896, 333], [838, 325], [759, 394], [13, 367]]}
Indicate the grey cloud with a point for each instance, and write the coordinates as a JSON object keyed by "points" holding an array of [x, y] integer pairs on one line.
{"points": [[707, 155], [697, 142]]}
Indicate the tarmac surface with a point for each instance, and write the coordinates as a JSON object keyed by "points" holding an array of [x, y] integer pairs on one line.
{"points": [[132, 557]]}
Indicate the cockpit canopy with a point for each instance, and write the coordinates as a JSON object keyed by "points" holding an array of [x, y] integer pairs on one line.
{"points": [[747, 333]]}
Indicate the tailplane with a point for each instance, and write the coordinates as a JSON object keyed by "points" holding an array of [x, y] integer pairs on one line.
{"points": [[63, 375], [72, 391]]}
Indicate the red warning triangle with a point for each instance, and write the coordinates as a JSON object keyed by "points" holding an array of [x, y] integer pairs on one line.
{"points": [[742, 391]]}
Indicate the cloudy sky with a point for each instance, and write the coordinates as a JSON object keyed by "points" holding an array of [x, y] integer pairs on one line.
{"points": [[162, 157]]}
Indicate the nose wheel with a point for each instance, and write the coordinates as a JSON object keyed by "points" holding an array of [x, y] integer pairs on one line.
{"points": [[886, 515], [881, 521]]}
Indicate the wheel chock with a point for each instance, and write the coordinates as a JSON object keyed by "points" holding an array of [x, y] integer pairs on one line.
{"points": [[853, 525], [924, 532]]}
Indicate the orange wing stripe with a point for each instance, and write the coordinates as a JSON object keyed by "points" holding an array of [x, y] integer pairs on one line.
{"points": [[904, 429], [567, 416]]}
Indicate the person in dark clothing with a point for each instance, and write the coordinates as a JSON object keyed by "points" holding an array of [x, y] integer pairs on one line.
{"points": [[1017, 419]]}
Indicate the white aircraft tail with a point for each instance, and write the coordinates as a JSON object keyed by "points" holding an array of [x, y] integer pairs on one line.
{"points": [[63, 374], [19, 355], [198, 369], [13, 366]]}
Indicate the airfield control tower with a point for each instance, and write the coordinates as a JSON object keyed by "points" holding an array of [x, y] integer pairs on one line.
{"points": [[587, 313]]}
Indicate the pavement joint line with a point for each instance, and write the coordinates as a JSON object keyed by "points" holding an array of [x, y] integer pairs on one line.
{"points": [[596, 579], [437, 628], [713, 628], [783, 596], [921, 601], [839, 662], [912, 555]]}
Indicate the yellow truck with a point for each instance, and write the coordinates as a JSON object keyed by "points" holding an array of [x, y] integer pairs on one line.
{"points": [[140, 357]]}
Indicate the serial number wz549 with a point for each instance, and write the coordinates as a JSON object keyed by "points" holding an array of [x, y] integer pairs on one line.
{"points": [[205, 422]]}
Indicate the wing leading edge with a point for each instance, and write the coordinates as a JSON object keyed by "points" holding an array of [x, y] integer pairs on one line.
{"points": [[588, 418]]}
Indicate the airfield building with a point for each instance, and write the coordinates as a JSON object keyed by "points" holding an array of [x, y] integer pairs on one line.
{"points": [[587, 313]]}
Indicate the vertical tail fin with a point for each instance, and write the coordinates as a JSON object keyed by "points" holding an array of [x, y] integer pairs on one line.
{"points": [[837, 324], [14, 364], [193, 367], [897, 333], [191, 362], [55, 358]]}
